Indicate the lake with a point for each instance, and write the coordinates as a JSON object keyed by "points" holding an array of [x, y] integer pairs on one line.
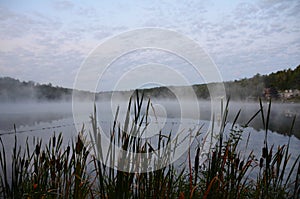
{"points": [[40, 120]]}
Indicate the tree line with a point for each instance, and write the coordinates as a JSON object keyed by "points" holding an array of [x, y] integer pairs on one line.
{"points": [[244, 89], [15, 90]]}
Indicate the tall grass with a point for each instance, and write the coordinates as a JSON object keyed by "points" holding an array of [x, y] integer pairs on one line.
{"points": [[84, 169], [46, 172]]}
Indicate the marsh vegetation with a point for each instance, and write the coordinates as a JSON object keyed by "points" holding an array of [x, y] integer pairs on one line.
{"points": [[81, 168]]}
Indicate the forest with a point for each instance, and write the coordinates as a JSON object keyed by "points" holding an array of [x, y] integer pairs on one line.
{"points": [[246, 88], [13, 90]]}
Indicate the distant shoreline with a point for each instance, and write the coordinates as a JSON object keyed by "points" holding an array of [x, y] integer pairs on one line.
{"points": [[282, 86]]}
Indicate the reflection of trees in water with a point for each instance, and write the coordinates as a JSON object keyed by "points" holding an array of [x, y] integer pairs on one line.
{"points": [[24, 119], [280, 125], [280, 120]]}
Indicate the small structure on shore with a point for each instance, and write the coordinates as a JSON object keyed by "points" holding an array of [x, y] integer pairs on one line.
{"points": [[271, 92]]}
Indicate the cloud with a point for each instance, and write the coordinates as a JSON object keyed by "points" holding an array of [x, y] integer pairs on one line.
{"points": [[242, 38], [56, 68], [89, 12], [250, 39], [63, 5]]}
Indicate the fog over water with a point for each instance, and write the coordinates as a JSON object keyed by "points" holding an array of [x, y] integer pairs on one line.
{"points": [[30, 114], [42, 119]]}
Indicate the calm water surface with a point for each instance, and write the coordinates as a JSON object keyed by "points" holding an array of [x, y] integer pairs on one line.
{"points": [[42, 119]]}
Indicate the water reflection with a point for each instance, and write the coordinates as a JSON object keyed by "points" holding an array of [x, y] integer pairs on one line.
{"points": [[31, 115]]}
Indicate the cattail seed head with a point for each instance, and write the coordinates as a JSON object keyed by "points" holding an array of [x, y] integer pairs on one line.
{"points": [[236, 162], [37, 149], [241, 165], [53, 141], [261, 162], [274, 172], [68, 150], [26, 163], [79, 145], [58, 165], [264, 152], [43, 156], [53, 175], [52, 161], [65, 165]]}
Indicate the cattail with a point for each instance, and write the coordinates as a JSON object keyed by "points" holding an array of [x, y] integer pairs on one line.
{"points": [[264, 152], [214, 156], [197, 158], [53, 141], [196, 166], [241, 165], [236, 162], [53, 175], [37, 149], [66, 165], [26, 163], [261, 162], [79, 145], [58, 165], [46, 165], [68, 150], [22, 163], [43, 156], [274, 172], [52, 161]]}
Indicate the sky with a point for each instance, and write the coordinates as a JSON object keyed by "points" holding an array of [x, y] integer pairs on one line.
{"points": [[48, 41]]}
